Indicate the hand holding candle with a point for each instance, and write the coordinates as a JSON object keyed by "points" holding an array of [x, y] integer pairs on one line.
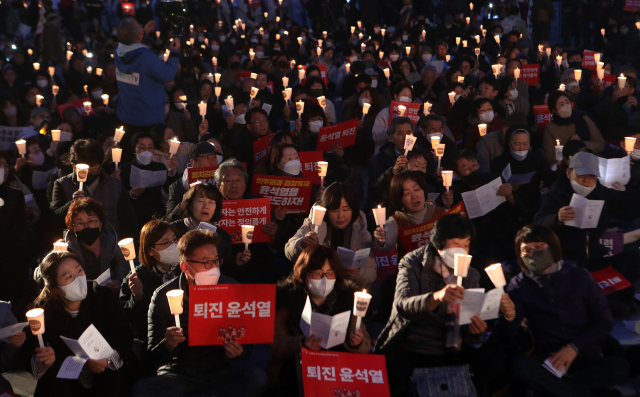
{"points": [[300, 108], [401, 110], [427, 108], [129, 252], [558, 150], [22, 147], [55, 135], [409, 141], [482, 129], [496, 275], [622, 81], [380, 215], [447, 179], [82, 172], [173, 148], [202, 106], [105, 99], [365, 109], [175, 297], [629, 144], [461, 266], [247, 235], [452, 97]]}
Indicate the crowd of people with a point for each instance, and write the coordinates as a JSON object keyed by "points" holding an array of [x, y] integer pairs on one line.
{"points": [[522, 151]]}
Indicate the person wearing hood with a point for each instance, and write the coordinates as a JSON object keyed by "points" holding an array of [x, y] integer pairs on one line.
{"points": [[492, 144], [415, 334], [146, 201], [583, 245], [192, 370], [568, 124], [320, 280], [70, 307], [141, 77], [568, 318]]}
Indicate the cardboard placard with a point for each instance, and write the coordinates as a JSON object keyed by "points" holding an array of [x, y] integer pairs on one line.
{"points": [[261, 149], [610, 281], [530, 74], [309, 162], [78, 104], [415, 237], [256, 212], [412, 111], [323, 73], [387, 263], [291, 192], [242, 313], [343, 134], [328, 373]]}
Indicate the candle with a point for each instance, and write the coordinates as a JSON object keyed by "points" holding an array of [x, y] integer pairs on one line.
{"points": [[87, 107], [496, 275], [599, 65], [497, 39], [477, 37], [173, 148], [359, 24], [285, 82], [461, 266], [175, 297], [471, 6], [119, 134], [600, 73], [214, 60], [254, 75], [347, 67], [360, 306], [464, 43], [482, 128], [69, 55], [596, 57], [548, 52], [116, 155], [322, 101], [387, 73], [300, 40], [484, 32], [254, 92], [320, 43], [558, 60], [39, 99], [22, 147], [86, 91], [458, 40], [210, 77], [36, 323], [323, 166], [353, 29], [300, 108], [105, 99], [401, 110], [98, 72], [300, 74], [36, 66], [439, 148], [129, 252], [468, 20], [30, 51], [516, 73], [317, 215], [407, 50], [447, 179], [89, 69], [52, 71], [559, 148], [319, 50], [452, 96], [247, 235], [202, 106], [496, 69], [540, 47], [602, 32], [629, 144], [577, 74], [55, 135], [217, 91], [460, 79], [287, 95], [447, 57], [561, 88], [435, 140], [324, 34], [60, 246], [622, 81], [365, 109], [82, 171], [409, 141]]}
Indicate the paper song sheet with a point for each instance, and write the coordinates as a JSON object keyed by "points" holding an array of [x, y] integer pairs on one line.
{"points": [[549, 367], [483, 200], [331, 329], [516, 178], [477, 303], [588, 212], [103, 279], [71, 367], [39, 178], [354, 259], [11, 330], [144, 178], [90, 345], [614, 170]]}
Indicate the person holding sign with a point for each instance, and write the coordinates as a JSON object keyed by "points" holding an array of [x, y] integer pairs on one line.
{"points": [[70, 307], [401, 93], [241, 142], [567, 124], [409, 207], [320, 279], [583, 245], [190, 370], [344, 225], [568, 317], [141, 179], [414, 336]]}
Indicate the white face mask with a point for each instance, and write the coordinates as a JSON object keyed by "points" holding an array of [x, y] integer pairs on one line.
{"points": [[362, 101], [486, 117], [220, 159], [429, 136], [215, 47], [394, 57], [240, 119], [42, 83], [352, 59], [321, 288], [513, 94], [635, 155], [223, 39], [179, 105], [314, 126], [259, 54], [374, 83], [96, 94], [404, 99], [569, 86], [38, 158], [520, 154], [565, 111], [10, 111], [426, 57], [144, 158], [405, 37], [582, 190], [449, 254], [77, 290], [210, 277], [170, 256], [293, 167]]}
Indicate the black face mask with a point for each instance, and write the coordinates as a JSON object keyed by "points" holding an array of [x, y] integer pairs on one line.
{"points": [[539, 261], [235, 65], [88, 235], [575, 65], [473, 178], [622, 100], [66, 169], [283, 64], [91, 178]]}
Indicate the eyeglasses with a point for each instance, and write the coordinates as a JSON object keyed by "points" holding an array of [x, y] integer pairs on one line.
{"points": [[317, 275], [81, 225], [259, 122], [168, 243], [208, 264]]}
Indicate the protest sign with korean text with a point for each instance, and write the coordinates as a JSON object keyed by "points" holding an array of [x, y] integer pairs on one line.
{"points": [[78, 105], [387, 263], [8, 137], [609, 280], [415, 237], [530, 74], [244, 74], [543, 116], [343, 134], [256, 212], [291, 192], [632, 5], [613, 241], [607, 80], [204, 174], [328, 373], [242, 313], [309, 161], [588, 60], [411, 112], [261, 149]]}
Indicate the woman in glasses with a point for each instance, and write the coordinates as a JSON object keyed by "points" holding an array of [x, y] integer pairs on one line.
{"points": [[159, 260], [95, 243], [318, 279]]}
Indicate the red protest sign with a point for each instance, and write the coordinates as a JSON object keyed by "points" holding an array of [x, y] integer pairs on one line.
{"points": [[270, 86], [530, 74], [244, 74], [309, 162], [387, 263], [411, 112], [242, 313], [78, 105], [292, 192], [415, 237], [607, 80], [632, 5], [327, 373], [323, 73], [343, 134], [261, 149], [588, 60], [204, 174], [543, 116], [256, 212], [610, 281], [254, 3]]}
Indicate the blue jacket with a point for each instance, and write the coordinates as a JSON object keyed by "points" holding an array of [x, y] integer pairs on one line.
{"points": [[565, 307], [141, 76]]}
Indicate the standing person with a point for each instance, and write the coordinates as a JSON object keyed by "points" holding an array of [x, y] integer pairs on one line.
{"points": [[141, 77]]}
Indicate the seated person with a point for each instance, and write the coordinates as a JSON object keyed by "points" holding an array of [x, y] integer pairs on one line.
{"points": [[194, 370], [70, 307], [568, 318], [8, 349], [318, 275]]}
